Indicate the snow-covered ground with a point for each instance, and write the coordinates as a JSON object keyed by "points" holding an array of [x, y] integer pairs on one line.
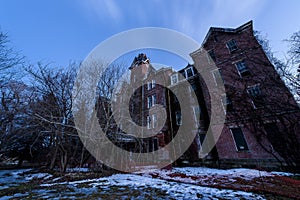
{"points": [[140, 185]]}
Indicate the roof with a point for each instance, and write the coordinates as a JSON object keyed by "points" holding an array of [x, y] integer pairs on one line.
{"points": [[224, 30]]}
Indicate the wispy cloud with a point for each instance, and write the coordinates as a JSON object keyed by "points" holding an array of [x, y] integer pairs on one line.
{"points": [[104, 9]]}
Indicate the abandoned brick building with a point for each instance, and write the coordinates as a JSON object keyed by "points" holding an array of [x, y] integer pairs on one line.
{"points": [[261, 128]]}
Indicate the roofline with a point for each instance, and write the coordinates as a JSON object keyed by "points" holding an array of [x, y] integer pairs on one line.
{"points": [[224, 30]]}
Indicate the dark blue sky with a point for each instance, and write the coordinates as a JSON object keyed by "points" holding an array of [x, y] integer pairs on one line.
{"points": [[63, 30]]}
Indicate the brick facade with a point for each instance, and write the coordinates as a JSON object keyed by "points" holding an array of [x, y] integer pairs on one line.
{"points": [[258, 105]]}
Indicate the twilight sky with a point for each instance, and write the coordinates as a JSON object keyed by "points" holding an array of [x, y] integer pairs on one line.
{"points": [[59, 31]]}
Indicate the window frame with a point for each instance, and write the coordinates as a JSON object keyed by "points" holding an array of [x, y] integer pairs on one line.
{"points": [[244, 71], [232, 45], [148, 122], [218, 80], [172, 81], [186, 72], [256, 99]]}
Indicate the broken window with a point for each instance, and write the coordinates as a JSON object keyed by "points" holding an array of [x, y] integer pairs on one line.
{"points": [[242, 68]]}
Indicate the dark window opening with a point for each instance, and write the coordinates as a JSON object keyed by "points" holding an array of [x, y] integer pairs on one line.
{"points": [[274, 136], [256, 96], [227, 103], [242, 68], [212, 55], [239, 139]]}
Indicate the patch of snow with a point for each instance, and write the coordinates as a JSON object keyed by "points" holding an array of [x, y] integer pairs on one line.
{"points": [[239, 172], [38, 175], [77, 169]]}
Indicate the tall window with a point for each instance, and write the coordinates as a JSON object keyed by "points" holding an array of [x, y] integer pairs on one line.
{"points": [[217, 74], [197, 113], [178, 118], [174, 79], [231, 45], [151, 100], [154, 120], [239, 139], [275, 137], [148, 122], [255, 94], [227, 103], [189, 72], [242, 68], [211, 55]]}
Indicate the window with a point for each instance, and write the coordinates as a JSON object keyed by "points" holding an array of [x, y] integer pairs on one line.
{"points": [[151, 100], [217, 74], [211, 56], [256, 95], [227, 103], [276, 139], [239, 139], [197, 113], [154, 120], [148, 122], [178, 118], [242, 68], [152, 123], [231, 45], [155, 142], [174, 79], [148, 85], [189, 72], [151, 84]]}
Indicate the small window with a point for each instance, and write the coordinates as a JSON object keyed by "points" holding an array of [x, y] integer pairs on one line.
{"points": [[151, 84], [178, 118], [174, 79], [227, 103], [189, 72], [148, 122], [231, 45], [256, 96], [239, 139], [217, 74], [242, 68], [211, 56]]}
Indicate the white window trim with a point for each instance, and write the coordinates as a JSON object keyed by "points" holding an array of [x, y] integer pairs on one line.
{"points": [[153, 83], [215, 78], [230, 51], [196, 118], [176, 79], [148, 122], [154, 121]]}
